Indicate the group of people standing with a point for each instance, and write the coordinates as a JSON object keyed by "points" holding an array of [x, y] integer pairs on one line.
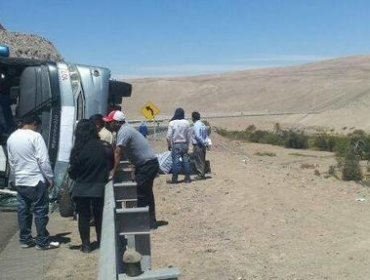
{"points": [[94, 159], [180, 136]]}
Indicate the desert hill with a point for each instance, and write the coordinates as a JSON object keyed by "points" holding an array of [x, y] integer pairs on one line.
{"points": [[332, 94], [28, 45]]}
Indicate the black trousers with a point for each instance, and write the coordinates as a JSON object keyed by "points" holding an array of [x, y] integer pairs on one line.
{"points": [[84, 205], [199, 154], [144, 175]]}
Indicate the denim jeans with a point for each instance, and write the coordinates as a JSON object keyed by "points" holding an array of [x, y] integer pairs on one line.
{"points": [[33, 201], [180, 158]]}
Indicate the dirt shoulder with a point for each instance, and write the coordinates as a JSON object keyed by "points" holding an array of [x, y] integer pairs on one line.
{"points": [[259, 217]]}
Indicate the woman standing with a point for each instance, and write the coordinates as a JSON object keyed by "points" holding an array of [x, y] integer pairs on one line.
{"points": [[90, 163]]}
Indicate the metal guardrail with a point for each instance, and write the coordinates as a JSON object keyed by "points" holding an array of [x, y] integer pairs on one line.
{"points": [[108, 246], [156, 130], [126, 226]]}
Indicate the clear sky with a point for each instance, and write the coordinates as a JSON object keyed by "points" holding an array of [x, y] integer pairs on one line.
{"points": [[190, 37]]}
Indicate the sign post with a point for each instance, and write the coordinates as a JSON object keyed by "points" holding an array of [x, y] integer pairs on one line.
{"points": [[149, 111]]}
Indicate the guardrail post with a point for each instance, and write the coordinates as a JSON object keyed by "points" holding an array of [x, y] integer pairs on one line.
{"points": [[125, 194], [134, 224]]}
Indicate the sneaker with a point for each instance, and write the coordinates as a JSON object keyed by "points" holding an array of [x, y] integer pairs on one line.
{"points": [[28, 244], [199, 177], [51, 245]]}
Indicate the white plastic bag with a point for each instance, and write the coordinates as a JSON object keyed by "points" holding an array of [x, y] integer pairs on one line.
{"points": [[208, 143], [165, 162]]}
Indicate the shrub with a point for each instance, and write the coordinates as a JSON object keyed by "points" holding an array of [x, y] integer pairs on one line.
{"points": [[274, 139], [342, 145], [332, 171], [349, 149], [251, 128], [222, 131], [295, 140], [324, 142], [277, 129], [258, 136], [351, 168], [269, 154], [308, 166], [360, 144]]}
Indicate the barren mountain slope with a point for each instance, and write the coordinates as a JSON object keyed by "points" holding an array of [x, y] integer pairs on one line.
{"points": [[333, 88]]}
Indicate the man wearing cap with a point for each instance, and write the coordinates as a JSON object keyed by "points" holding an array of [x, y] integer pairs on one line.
{"points": [[135, 146]]}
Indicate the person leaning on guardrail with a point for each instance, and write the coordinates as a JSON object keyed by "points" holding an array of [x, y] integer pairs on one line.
{"points": [[132, 143], [90, 171]]}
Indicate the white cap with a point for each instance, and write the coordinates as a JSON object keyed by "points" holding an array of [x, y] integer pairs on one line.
{"points": [[115, 116]]}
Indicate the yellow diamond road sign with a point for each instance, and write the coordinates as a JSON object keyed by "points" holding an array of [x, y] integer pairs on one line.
{"points": [[149, 111]]}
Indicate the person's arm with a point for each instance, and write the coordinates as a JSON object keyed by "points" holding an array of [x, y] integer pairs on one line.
{"points": [[109, 153], [42, 157], [11, 165], [190, 134], [117, 159], [197, 135]]}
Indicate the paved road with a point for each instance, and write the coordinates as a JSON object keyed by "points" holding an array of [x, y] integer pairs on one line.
{"points": [[9, 226]]}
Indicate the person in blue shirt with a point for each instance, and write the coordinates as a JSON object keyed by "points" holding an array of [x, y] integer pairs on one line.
{"points": [[143, 129], [199, 140]]}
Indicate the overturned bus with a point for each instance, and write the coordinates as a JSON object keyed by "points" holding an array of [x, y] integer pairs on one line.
{"points": [[61, 94]]}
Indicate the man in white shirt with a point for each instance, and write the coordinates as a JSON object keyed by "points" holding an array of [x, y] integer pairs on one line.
{"points": [[178, 140], [30, 167]]}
